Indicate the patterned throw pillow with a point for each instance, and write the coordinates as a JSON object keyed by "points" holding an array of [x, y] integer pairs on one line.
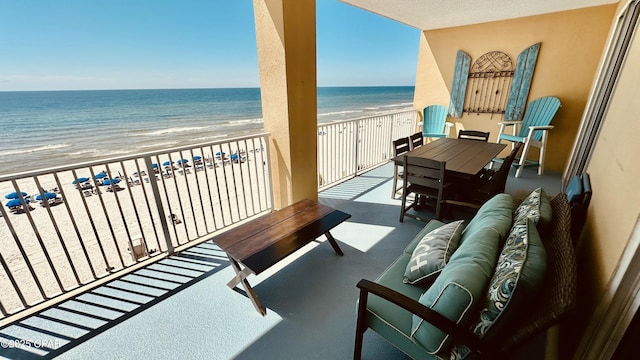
{"points": [[536, 207], [432, 253], [519, 273]]}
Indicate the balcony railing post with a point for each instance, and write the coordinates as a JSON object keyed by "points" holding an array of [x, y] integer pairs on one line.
{"points": [[391, 135], [355, 152], [153, 181]]}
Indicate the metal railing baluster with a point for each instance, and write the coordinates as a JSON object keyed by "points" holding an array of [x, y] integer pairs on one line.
{"points": [[156, 196]]}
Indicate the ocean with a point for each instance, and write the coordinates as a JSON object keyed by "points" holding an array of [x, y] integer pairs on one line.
{"points": [[42, 129]]}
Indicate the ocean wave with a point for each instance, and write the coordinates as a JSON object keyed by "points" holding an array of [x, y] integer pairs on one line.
{"points": [[158, 145], [208, 138], [34, 149], [97, 152], [397, 105], [174, 130], [242, 122], [341, 112]]}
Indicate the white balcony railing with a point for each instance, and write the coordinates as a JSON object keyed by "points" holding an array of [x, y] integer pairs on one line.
{"points": [[88, 232], [348, 148], [87, 229]]}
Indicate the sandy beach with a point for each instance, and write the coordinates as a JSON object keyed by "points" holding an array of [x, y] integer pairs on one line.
{"points": [[90, 232]]}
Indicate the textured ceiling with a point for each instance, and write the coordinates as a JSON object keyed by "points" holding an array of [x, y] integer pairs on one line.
{"points": [[437, 14]]}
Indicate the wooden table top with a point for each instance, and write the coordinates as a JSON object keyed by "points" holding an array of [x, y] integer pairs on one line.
{"points": [[266, 240], [465, 157]]}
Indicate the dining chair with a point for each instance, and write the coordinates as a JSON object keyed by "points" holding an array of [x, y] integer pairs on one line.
{"points": [[532, 131], [416, 140], [400, 147], [474, 135], [434, 122], [425, 178], [485, 185]]}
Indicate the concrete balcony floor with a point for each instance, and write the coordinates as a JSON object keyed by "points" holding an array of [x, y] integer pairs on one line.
{"points": [[181, 307]]}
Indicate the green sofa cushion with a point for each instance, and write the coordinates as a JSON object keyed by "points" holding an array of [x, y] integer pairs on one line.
{"points": [[519, 273], [432, 253], [460, 286], [389, 320], [496, 213]]}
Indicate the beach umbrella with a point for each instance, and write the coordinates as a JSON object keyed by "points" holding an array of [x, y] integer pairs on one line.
{"points": [[16, 202], [234, 157], [47, 195], [154, 165], [80, 180], [166, 163], [197, 158], [183, 161], [110, 181], [14, 195], [101, 176], [218, 154]]}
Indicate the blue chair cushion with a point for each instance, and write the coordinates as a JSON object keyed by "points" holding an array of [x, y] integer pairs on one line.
{"points": [[574, 190]]}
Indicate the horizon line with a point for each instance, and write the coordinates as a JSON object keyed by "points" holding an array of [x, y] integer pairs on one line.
{"points": [[198, 88]]}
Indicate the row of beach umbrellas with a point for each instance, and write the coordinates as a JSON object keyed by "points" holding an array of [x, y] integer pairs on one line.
{"points": [[196, 158], [81, 180], [14, 198]]}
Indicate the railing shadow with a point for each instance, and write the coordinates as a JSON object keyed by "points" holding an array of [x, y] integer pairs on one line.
{"points": [[51, 332]]}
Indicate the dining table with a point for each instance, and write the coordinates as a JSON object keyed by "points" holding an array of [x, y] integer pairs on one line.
{"points": [[464, 158]]}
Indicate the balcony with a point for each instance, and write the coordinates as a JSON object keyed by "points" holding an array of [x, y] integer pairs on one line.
{"points": [[180, 306]]}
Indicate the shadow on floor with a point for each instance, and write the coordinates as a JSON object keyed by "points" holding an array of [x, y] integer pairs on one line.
{"points": [[60, 328]]}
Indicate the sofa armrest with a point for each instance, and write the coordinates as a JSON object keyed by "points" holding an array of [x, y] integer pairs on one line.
{"points": [[460, 334]]}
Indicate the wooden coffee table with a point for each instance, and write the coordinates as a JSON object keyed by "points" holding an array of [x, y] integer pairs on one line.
{"points": [[255, 246]]}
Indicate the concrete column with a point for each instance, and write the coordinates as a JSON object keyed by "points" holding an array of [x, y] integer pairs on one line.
{"points": [[286, 40]]}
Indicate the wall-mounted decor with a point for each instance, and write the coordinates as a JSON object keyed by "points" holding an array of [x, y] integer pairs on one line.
{"points": [[522, 82], [459, 86], [491, 85]]}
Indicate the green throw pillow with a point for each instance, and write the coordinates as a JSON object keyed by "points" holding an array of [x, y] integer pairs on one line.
{"points": [[433, 253], [519, 273], [537, 207]]}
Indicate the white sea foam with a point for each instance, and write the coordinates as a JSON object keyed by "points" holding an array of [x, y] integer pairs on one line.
{"points": [[174, 130], [98, 152], [341, 112], [34, 149], [208, 138], [397, 105], [158, 145], [243, 122]]}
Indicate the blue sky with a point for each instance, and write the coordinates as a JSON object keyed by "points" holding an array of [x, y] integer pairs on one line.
{"points": [[141, 44]]}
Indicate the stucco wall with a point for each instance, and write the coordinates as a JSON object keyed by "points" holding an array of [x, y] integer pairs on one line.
{"points": [[615, 174], [572, 43]]}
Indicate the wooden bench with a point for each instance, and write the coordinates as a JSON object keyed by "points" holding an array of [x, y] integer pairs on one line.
{"points": [[259, 244]]}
